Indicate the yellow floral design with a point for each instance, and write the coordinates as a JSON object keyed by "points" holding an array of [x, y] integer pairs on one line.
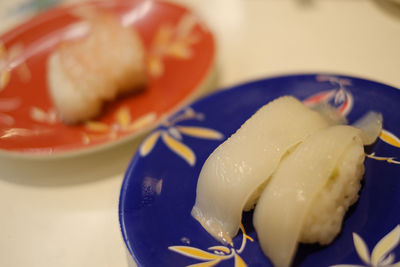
{"points": [[39, 115], [170, 41], [6, 105], [171, 135], [390, 139], [22, 132], [387, 159], [8, 61], [4, 70], [123, 123], [381, 255], [217, 254]]}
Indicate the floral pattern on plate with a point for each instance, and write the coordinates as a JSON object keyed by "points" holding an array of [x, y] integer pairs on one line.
{"points": [[220, 253], [381, 254]]}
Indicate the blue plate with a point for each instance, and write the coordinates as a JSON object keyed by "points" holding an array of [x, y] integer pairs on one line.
{"points": [[159, 188]]}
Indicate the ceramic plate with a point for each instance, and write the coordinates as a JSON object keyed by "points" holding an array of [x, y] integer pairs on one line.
{"points": [[159, 188], [180, 58]]}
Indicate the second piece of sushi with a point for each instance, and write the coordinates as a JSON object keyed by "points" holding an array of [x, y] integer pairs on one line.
{"points": [[308, 195]]}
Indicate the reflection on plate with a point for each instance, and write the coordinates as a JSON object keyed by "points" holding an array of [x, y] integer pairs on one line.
{"points": [[159, 189], [180, 59]]}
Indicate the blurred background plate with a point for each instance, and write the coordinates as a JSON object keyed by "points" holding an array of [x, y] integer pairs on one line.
{"points": [[159, 188], [29, 124]]}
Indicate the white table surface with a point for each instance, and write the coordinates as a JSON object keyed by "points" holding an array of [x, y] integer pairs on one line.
{"points": [[65, 212]]}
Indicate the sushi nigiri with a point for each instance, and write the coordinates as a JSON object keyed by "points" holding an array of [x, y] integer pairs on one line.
{"points": [[234, 174], [309, 193], [84, 73]]}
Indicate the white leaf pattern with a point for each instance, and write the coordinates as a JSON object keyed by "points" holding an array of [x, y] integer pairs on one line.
{"points": [[385, 246], [361, 248]]}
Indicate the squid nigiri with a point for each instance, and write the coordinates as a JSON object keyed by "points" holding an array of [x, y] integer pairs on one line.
{"points": [[309, 193], [234, 174]]}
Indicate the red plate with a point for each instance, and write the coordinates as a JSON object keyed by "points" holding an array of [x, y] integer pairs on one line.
{"points": [[180, 59]]}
